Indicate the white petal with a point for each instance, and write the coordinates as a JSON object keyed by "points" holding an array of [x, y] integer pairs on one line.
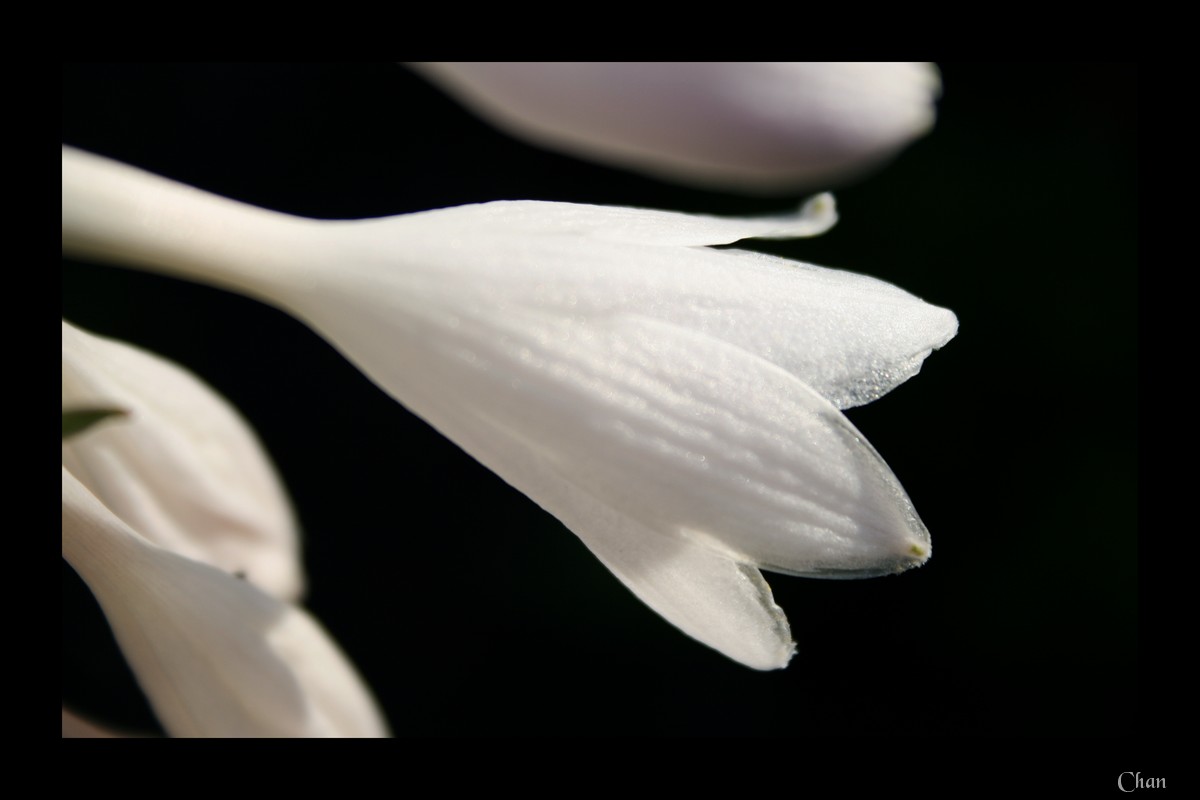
{"points": [[682, 432], [849, 337], [722, 603], [716, 600], [751, 126], [681, 461], [184, 469], [708, 595], [215, 656], [643, 226]]}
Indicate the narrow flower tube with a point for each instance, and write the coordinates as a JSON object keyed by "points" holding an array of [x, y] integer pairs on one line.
{"points": [[748, 126], [215, 656], [674, 405], [183, 468]]}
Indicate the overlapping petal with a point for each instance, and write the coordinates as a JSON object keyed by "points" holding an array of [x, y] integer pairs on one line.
{"points": [[750, 126], [682, 461], [215, 655], [183, 469]]}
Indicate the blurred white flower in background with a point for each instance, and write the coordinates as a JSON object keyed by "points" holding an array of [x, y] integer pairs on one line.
{"points": [[759, 127], [176, 521], [185, 470], [674, 405]]}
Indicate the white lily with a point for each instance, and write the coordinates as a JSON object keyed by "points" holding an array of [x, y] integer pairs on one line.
{"points": [[215, 655], [751, 126], [674, 405], [186, 472]]}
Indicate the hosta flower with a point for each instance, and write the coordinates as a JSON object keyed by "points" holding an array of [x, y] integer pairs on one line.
{"points": [[740, 125], [215, 655], [674, 405], [176, 520], [186, 472]]}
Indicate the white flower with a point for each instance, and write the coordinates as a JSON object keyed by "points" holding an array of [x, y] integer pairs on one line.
{"points": [[161, 509], [215, 656], [186, 472], [743, 125], [674, 405]]}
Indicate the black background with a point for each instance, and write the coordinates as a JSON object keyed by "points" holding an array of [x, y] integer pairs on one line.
{"points": [[471, 612]]}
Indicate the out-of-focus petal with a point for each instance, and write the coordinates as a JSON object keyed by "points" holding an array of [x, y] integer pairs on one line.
{"points": [[215, 656], [749, 126], [183, 469]]}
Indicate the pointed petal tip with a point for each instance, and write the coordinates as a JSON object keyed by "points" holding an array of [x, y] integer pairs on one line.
{"points": [[914, 553], [949, 325], [773, 664], [771, 661], [722, 602], [814, 217], [822, 207], [767, 651]]}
